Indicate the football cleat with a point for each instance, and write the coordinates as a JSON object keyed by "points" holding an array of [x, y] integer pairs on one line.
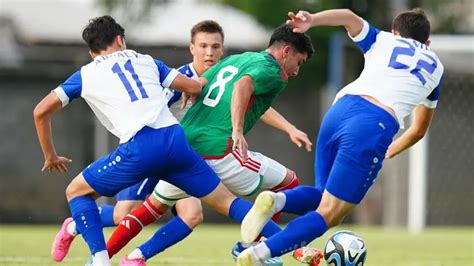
{"points": [[90, 262], [238, 248], [308, 255], [258, 216], [132, 262], [62, 242], [247, 258]]}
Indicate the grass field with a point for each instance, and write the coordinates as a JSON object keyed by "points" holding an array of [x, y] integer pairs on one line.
{"points": [[210, 245]]}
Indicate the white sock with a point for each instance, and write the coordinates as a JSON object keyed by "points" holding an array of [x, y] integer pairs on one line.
{"points": [[101, 258], [280, 201], [71, 228], [261, 251], [136, 254]]}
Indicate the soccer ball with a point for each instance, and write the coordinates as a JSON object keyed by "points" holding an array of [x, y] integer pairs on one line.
{"points": [[345, 248]]}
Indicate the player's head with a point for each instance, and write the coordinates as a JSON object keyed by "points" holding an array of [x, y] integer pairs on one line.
{"points": [[291, 49], [412, 24], [103, 34], [207, 44]]}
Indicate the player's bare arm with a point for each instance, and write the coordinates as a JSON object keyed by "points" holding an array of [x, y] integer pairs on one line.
{"points": [[42, 116], [243, 90], [274, 119], [186, 85], [304, 20], [417, 130]]}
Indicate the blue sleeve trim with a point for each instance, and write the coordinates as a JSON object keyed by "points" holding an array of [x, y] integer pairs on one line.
{"points": [[369, 39], [185, 70], [434, 95], [163, 70], [73, 86]]}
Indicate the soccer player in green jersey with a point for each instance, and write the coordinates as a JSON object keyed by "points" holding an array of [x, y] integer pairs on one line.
{"points": [[238, 91]]}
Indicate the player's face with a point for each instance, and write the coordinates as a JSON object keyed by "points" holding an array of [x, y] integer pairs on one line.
{"points": [[207, 49], [292, 61]]}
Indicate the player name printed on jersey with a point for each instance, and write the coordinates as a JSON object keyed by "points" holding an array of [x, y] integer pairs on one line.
{"points": [[400, 73], [125, 90]]}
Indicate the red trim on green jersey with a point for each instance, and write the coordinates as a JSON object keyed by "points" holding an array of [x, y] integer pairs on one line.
{"points": [[227, 151]]}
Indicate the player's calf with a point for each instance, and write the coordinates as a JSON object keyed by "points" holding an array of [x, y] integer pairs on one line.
{"points": [[131, 225]]}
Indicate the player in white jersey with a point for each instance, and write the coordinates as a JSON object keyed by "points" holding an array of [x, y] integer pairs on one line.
{"points": [[125, 90], [401, 74]]}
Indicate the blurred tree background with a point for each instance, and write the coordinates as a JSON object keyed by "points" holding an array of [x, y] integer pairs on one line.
{"points": [[447, 16]]}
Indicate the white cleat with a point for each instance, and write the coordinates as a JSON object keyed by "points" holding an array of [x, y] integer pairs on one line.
{"points": [[258, 216], [247, 258]]}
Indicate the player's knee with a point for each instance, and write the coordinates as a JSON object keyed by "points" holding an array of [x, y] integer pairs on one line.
{"points": [[331, 216], [71, 191], [192, 219], [290, 181]]}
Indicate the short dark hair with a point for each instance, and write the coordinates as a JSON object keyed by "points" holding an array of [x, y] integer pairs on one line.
{"points": [[300, 41], [101, 32], [413, 24], [209, 26]]}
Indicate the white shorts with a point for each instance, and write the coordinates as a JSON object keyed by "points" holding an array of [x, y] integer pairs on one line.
{"points": [[259, 172]]}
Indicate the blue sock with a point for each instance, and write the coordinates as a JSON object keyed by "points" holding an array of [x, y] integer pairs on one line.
{"points": [[299, 232], [169, 234], [86, 215], [106, 216], [239, 208], [301, 200]]}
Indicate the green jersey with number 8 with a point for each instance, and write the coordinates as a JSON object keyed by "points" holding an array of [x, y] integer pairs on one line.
{"points": [[208, 124]]}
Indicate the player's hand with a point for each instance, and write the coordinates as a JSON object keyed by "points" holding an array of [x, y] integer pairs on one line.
{"points": [[390, 152], [299, 138], [57, 163], [185, 98], [300, 22], [240, 144]]}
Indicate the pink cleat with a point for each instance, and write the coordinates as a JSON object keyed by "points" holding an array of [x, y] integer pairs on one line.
{"points": [[132, 262], [62, 242]]}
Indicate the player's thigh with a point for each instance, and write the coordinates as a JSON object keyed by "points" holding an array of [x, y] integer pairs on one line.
{"points": [[168, 193], [187, 170], [139, 191], [246, 178], [117, 170]]}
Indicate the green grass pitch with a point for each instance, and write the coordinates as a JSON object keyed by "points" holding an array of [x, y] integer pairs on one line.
{"points": [[210, 245]]}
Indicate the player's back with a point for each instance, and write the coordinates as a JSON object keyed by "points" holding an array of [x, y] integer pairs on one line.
{"points": [[208, 124], [399, 72], [124, 89]]}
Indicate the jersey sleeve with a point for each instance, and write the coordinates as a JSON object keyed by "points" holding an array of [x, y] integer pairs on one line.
{"points": [[167, 75], [184, 69], [432, 100], [70, 89], [366, 38], [266, 78]]}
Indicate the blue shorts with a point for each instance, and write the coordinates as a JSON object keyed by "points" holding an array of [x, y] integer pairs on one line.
{"points": [[352, 142], [139, 191], [162, 152]]}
